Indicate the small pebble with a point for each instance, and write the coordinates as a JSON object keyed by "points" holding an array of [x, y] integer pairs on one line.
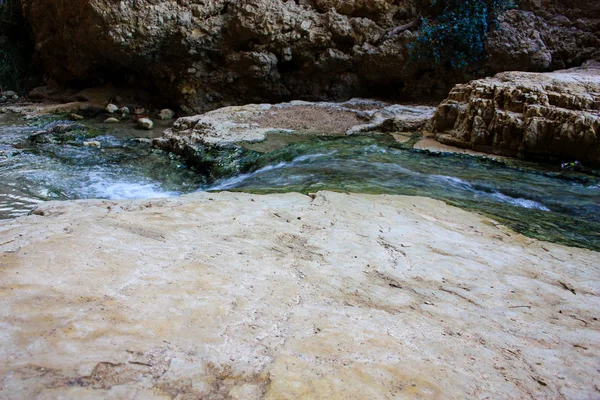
{"points": [[111, 108], [92, 143], [166, 114], [145, 123]]}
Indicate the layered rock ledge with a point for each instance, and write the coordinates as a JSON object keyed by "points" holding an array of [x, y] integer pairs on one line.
{"points": [[231, 295], [528, 115]]}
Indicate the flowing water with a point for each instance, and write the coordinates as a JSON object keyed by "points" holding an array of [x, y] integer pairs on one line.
{"points": [[532, 199]]}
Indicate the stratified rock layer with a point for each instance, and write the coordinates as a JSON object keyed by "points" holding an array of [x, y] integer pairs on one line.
{"points": [[528, 115], [332, 296], [205, 54]]}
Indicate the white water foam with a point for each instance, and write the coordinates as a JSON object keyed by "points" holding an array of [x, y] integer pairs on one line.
{"points": [[516, 201], [115, 190], [524, 203], [102, 186]]}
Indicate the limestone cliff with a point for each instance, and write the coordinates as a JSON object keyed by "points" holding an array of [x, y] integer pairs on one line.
{"points": [[211, 53]]}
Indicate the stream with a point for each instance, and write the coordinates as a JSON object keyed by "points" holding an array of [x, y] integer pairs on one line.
{"points": [[537, 200]]}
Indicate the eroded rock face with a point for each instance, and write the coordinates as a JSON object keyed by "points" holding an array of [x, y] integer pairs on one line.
{"points": [[529, 115], [333, 296], [213, 53], [545, 35]]}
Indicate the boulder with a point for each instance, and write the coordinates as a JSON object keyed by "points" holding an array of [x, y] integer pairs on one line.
{"points": [[166, 114], [145, 123], [111, 120], [545, 116], [111, 108]]}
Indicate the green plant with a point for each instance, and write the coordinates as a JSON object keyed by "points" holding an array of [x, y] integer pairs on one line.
{"points": [[455, 36]]}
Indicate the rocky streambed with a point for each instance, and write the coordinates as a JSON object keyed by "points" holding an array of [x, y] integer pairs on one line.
{"points": [[346, 288], [293, 147]]}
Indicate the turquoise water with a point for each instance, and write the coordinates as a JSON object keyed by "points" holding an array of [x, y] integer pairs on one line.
{"points": [[536, 200]]}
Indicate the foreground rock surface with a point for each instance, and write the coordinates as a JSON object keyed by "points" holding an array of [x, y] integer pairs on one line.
{"points": [[228, 295], [526, 115]]}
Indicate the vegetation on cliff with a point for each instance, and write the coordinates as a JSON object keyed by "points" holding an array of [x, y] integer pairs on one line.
{"points": [[455, 36]]}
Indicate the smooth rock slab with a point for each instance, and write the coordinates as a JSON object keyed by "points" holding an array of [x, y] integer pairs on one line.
{"points": [[230, 295]]}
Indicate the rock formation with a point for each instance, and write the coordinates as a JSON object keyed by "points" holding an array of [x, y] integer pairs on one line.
{"points": [[545, 35], [527, 115], [212, 53], [205, 140], [332, 296]]}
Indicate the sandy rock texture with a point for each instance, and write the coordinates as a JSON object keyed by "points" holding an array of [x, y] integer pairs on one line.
{"points": [[231, 295], [253, 122], [206, 54], [527, 115]]}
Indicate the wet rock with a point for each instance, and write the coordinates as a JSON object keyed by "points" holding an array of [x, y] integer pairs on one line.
{"points": [[59, 132], [124, 110], [573, 166], [146, 141], [112, 108], [145, 123], [111, 120], [41, 137], [166, 114], [62, 126], [528, 115], [8, 96], [92, 143]]}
